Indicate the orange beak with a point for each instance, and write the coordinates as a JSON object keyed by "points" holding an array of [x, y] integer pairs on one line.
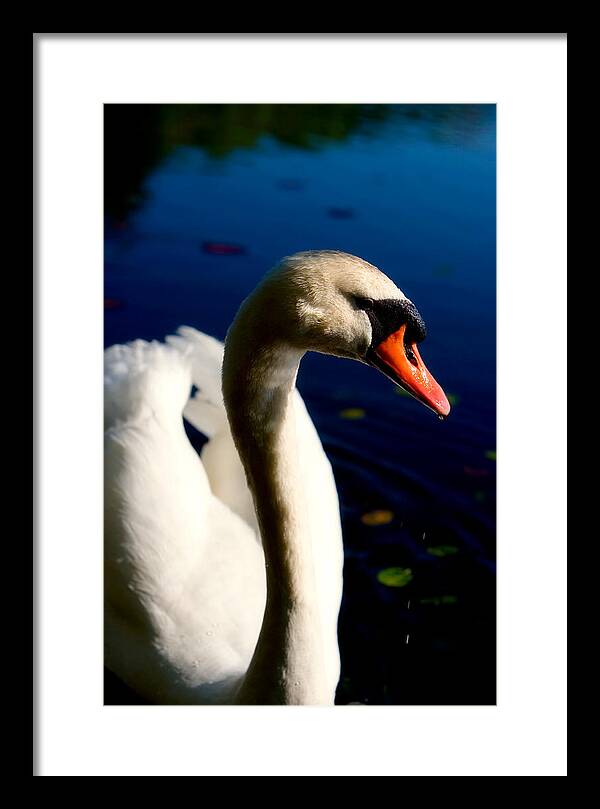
{"points": [[402, 363]]}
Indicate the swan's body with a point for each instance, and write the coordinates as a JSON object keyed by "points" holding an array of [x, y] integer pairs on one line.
{"points": [[205, 603], [186, 527]]}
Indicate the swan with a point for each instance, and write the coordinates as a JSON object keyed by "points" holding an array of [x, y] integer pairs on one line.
{"points": [[223, 572]]}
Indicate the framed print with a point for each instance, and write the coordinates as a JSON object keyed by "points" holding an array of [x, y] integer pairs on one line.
{"points": [[294, 479]]}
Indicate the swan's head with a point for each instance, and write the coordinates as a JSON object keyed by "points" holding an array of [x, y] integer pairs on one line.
{"points": [[336, 303]]}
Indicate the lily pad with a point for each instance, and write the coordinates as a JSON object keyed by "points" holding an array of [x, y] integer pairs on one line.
{"points": [[223, 249], [341, 213], [395, 576], [443, 271], [437, 600], [475, 472], [112, 303], [380, 516], [442, 550], [352, 413]]}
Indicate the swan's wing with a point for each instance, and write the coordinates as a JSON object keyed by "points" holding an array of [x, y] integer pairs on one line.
{"points": [[156, 493], [177, 560], [206, 412], [141, 379]]}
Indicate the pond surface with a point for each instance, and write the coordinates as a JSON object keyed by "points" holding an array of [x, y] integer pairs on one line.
{"points": [[201, 201]]}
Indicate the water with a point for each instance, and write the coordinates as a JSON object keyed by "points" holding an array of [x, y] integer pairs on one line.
{"points": [[201, 201]]}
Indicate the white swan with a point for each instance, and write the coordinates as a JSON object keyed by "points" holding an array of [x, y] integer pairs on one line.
{"points": [[206, 602]]}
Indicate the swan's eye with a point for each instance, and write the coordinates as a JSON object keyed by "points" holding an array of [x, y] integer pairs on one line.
{"points": [[366, 304], [410, 354]]}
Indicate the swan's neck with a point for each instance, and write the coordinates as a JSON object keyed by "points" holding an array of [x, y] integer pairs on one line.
{"points": [[258, 386]]}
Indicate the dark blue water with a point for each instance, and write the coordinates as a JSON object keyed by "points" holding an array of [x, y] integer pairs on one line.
{"points": [[201, 201]]}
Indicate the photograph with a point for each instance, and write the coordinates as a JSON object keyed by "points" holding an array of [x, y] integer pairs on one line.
{"points": [[300, 404], [300, 453]]}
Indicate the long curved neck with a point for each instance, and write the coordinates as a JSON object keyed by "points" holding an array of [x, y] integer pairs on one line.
{"points": [[258, 386]]}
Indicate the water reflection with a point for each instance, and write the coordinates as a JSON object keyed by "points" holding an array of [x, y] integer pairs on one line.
{"points": [[138, 136]]}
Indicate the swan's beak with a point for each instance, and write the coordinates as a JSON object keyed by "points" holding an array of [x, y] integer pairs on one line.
{"points": [[401, 362]]}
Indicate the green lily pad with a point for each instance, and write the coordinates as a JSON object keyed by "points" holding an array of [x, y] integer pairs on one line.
{"points": [[442, 550], [352, 413], [380, 516], [443, 271], [395, 576], [437, 600]]}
